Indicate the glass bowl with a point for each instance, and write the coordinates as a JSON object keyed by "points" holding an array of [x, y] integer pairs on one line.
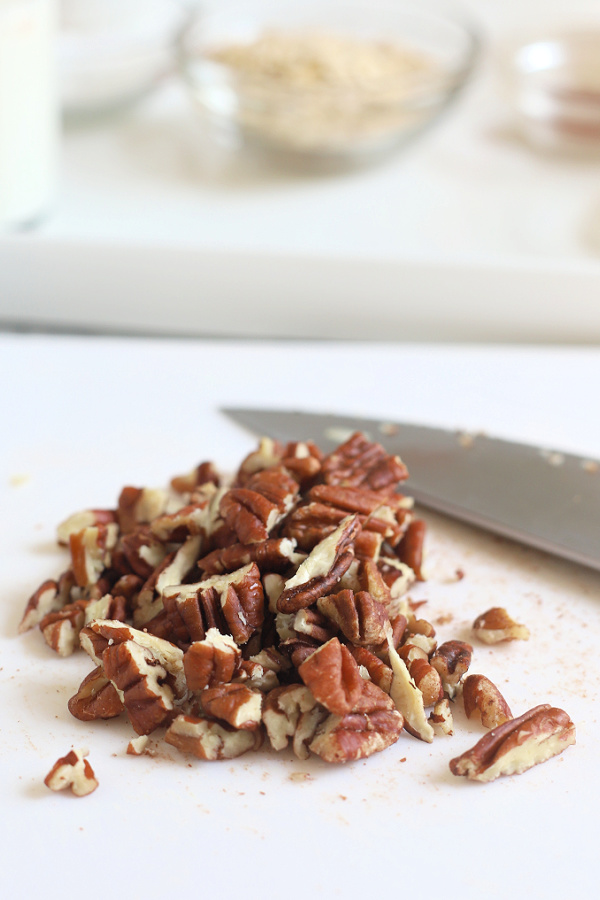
{"points": [[325, 79]]}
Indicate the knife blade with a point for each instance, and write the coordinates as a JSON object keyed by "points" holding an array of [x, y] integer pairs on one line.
{"points": [[543, 498]]}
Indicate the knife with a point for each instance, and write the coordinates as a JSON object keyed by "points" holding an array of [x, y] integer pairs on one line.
{"points": [[543, 498]]}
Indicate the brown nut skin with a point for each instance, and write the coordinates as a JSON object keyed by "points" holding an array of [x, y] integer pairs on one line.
{"points": [[481, 697], [517, 745]]}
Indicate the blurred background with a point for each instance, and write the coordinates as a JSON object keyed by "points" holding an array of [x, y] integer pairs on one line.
{"points": [[388, 170]]}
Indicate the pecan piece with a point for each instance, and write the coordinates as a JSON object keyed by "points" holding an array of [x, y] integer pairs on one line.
{"points": [[517, 745], [379, 673], [235, 599], [210, 740], [61, 629], [441, 719], [139, 506], [359, 616], [341, 739], [91, 552], [43, 601], [211, 661], [272, 555], [428, 681], [360, 463], [97, 698], [322, 568], [253, 511], [410, 548], [84, 519], [205, 473], [481, 697], [292, 712], [143, 551], [72, 771], [103, 634], [139, 677], [173, 569], [236, 704], [313, 625], [333, 676], [495, 625], [452, 660], [407, 698]]}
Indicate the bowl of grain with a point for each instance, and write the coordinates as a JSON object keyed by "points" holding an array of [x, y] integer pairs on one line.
{"points": [[325, 79]]}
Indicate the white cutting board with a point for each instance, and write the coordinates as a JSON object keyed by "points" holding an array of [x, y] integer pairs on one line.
{"points": [[83, 417]]}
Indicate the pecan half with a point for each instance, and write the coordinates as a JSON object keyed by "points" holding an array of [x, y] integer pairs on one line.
{"points": [[495, 625], [517, 745], [322, 568], [72, 771], [482, 698], [210, 740]]}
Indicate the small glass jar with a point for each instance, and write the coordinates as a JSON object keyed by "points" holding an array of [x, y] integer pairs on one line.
{"points": [[556, 85]]}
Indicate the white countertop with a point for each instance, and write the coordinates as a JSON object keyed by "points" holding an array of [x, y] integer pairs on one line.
{"points": [[83, 417], [468, 203]]}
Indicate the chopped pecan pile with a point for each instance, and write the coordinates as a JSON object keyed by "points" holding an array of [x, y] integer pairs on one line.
{"points": [[270, 607]]}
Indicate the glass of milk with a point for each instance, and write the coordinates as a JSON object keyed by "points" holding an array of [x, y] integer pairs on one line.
{"points": [[29, 112]]}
